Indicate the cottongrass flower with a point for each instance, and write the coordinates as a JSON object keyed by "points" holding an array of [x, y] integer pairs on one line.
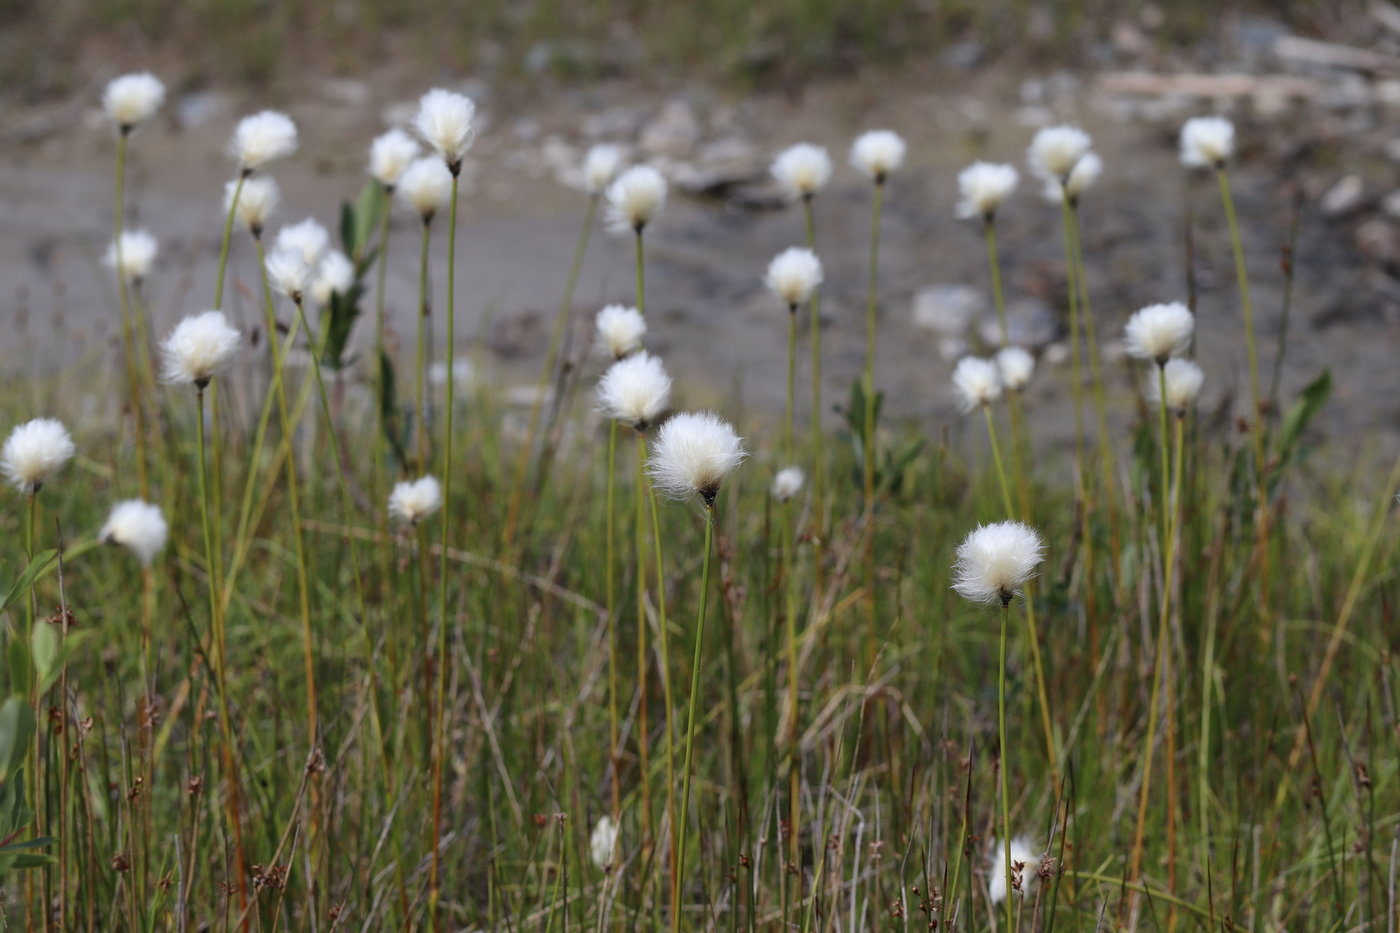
{"points": [[307, 238], [788, 483], [1159, 332], [977, 382], [199, 348], [139, 527], [995, 561], [132, 255], [635, 198], [263, 138], [132, 99], [1016, 366], [619, 331], [802, 170], [602, 843], [878, 153], [335, 275], [425, 187], [984, 186], [695, 452], [1085, 172], [257, 200], [1056, 150], [1206, 142], [390, 154], [288, 272], [635, 390], [414, 500], [1027, 874], [600, 167], [1183, 378], [34, 451], [445, 121], [793, 274]]}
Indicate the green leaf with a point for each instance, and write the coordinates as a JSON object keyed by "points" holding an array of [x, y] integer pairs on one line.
{"points": [[52, 651], [369, 210], [1309, 403], [26, 579], [36, 843], [347, 228], [344, 310], [16, 732], [21, 666]]}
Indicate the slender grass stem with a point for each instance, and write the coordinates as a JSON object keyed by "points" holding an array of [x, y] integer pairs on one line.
{"points": [[690, 720], [643, 662], [989, 228], [380, 348], [790, 619], [1076, 373], [611, 576], [420, 400], [791, 384], [818, 459], [666, 690], [1086, 314], [128, 335], [868, 441], [641, 284], [1004, 766]]}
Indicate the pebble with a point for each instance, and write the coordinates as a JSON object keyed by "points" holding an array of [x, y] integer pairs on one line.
{"points": [[948, 310]]}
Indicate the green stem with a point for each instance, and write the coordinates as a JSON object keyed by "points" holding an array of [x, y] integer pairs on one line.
{"points": [[128, 339], [1242, 275], [1086, 313], [791, 382], [691, 717], [996, 458], [641, 291], [818, 469], [228, 238], [1001, 738], [869, 439], [419, 392], [665, 673], [1076, 375], [611, 575], [989, 226], [380, 350], [790, 618]]}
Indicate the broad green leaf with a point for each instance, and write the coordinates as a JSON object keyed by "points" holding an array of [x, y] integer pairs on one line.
{"points": [[21, 666], [26, 579], [16, 732]]}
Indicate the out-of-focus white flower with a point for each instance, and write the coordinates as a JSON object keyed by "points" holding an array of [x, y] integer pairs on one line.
{"points": [[1016, 366], [257, 199], [288, 272], [132, 99], [1183, 378], [308, 239], [1159, 332], [390, 154], [463, 373], [977, 382], [635, 198], [263, 138], [984, 186], [793, 274], [425, 187], [995, 561], [139, 527], [1086, 171], [34, 451], [1207, 142], [199, 348], [445, 121], [1056, 150], [1022, 854], [878, 153], [695, 452], [635, 390], [603, 843], [414, 500], [788, 483], [600, 167], [335, 274], [620, 331], [132, 255], [802, 170]]}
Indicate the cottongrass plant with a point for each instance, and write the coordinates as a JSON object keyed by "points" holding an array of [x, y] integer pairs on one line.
{"points": [[1018, 856], [635, 198], [257, 140], [426, 188], [140, 527], [984, 187]]}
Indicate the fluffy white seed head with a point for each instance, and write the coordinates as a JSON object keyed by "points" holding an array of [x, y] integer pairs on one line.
{"points": [[1086, 171], [308, 239], [257, 199], [1206, 142], [635, 198], [977, 382], [425, 187], [788, 483], [1056, 150], [1183, 378], [878, 153], [132, 99], [1016, 366], [414, 500], [635, 390], [1022, 853], [139, 527], [995, 561], [390, 154], [1159, 332], [695, 452], [445, 121], [600, 167], [132, 255], [802, 170], [263, 138], [34, 451], [602, 843], [199, 348], [288, 272], [620, 331], [334, 275], [793, 274], [984, 186]]}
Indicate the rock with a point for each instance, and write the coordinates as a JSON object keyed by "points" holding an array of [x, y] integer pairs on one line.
{"points": [[1057, 354], [1128, 39], [674, 131], [347, 92], [948, 310], [1029, 323], [613, 123], [964, 56], [1392, 150], [1377, 240], [952, 348], [1343, 197], [518, 334], [719, 166], [1387, 92], [1390, 205], [198, 108]]}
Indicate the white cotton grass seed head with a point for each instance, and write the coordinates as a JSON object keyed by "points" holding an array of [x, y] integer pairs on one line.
{"points": [[635, 198], [877, 154], [35, 451], [793, 275], [390, 154], [635, 390], [1183, 378], [802, 170], [694, 453], [335, 275], [414, 500], [977, 382], [257, 199], [984, 186], [600, 167], [788, 483], [1016, 366], [1021, 852], [619, 331], [308, 238], [1086, 171], [1206, 142], [1159, 332], [288, 272], [132, 255], [132, 99], [199, 348], [995, 561], [602, 843], [425, 187], [1056, 150], [445, 120], [263, 138], [139, 527]]}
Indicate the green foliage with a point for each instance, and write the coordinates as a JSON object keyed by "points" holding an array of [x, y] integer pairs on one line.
{"points": [[891, 463]]}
